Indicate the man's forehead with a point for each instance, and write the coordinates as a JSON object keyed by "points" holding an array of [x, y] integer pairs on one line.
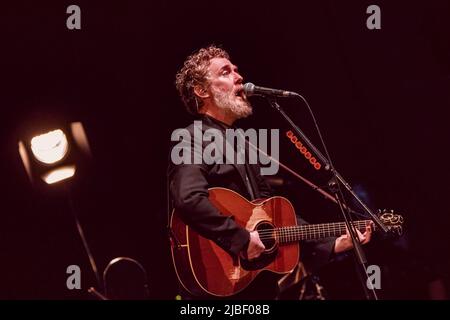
{"points": [[218, 63]]}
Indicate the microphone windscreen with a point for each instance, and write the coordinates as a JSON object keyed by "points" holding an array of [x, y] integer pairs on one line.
{"points": [[249, 89]]}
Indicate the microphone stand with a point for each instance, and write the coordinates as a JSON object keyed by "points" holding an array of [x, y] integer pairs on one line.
{"points": [[334, 186]]}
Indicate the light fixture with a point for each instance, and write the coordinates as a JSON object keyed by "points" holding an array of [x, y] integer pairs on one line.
{"points": [[53, 155], [50, 147], [59, 174]]}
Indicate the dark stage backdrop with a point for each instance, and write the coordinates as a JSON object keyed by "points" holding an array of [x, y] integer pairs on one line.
{"points": [[380, 96]]}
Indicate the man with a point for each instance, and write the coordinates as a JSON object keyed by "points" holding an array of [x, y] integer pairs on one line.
{"points": [[212, 89]]}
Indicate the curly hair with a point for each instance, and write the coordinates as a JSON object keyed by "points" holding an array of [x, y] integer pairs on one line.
{"points": [[194, 72]]}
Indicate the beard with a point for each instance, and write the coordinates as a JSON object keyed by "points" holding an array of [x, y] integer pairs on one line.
{"points": [[228, 101]]}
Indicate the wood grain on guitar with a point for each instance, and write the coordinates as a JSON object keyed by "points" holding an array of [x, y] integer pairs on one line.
{"points": [[203, 268]]}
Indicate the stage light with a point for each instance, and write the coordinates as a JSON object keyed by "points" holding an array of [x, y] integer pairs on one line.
{"points": [[59, 174], [54, 154], [50, 147]]}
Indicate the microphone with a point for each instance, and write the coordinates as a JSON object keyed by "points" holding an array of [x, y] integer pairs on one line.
{"points": [[251, 90]]}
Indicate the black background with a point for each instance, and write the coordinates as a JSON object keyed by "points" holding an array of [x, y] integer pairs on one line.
{"points": [[380, 97]]}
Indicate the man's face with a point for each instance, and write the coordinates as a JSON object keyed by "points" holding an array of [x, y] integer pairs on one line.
{"points": [[226, 89]]}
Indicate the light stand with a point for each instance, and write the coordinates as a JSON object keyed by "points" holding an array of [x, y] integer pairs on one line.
{"points": [[53, 155], [87, 249]]}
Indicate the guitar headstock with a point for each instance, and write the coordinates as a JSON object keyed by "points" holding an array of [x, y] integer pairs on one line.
{"points": [[393, 221]]}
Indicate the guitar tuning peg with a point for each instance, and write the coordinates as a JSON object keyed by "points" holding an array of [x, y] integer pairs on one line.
{"points": [[379, 211], [392, 210]]}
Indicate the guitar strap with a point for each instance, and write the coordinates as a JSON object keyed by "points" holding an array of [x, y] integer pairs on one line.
{"points": [[249, 184]]}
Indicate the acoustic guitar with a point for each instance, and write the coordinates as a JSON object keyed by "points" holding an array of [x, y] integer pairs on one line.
{"points": [[203, 268]]}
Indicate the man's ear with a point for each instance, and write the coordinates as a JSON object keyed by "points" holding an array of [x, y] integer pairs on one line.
{"points": [[201, 92]]}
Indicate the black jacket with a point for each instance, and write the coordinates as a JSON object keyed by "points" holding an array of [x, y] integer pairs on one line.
{"points": [[189, 184]]}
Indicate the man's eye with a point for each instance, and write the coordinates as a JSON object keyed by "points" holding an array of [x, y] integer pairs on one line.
{"points": [[225, 72]]}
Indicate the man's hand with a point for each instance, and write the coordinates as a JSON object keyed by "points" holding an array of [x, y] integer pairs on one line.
{"points": [[344, 242], [255, 246]]}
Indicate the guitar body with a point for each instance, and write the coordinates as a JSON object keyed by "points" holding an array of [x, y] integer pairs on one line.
{"points": [[203, 268]]}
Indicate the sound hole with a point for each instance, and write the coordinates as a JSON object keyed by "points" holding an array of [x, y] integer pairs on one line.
{"points": [[267, 235]]}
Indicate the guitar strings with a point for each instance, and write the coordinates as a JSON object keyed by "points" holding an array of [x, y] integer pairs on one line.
{"points": [[332, 226], [287, 233], [296, 236]]}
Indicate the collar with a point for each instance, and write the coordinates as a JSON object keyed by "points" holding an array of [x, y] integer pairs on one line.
{"points": [[221, 124]]}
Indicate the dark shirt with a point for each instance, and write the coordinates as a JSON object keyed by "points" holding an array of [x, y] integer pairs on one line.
{"points": [[189, 184]]}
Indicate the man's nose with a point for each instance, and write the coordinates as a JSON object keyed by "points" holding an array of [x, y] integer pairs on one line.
{"points": [[238, 78]]}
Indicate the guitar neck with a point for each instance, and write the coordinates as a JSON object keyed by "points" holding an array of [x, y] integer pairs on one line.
{"points": [[315, 231]]}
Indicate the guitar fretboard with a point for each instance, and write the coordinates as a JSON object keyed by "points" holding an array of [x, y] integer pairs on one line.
{"points": [[310, 231]]}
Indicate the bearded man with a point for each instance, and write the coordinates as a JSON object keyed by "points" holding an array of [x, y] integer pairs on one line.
{"points": [[211, 88]]}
